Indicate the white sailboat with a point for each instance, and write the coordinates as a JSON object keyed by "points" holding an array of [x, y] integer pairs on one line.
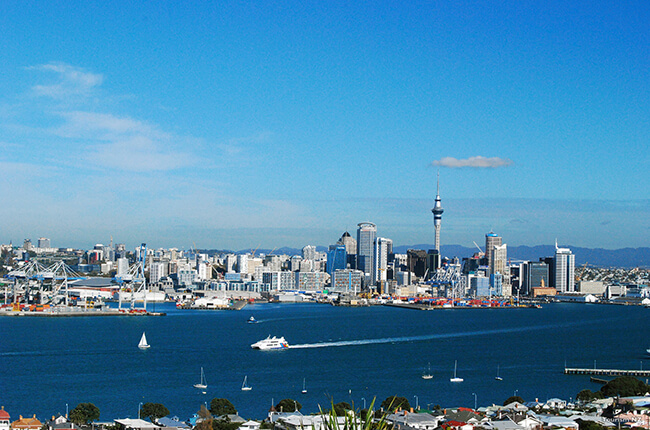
{"points": [[244, 386], [456, 378], [304, 388], [498, 378], [203, 384], [143, 342], [428, 374]]}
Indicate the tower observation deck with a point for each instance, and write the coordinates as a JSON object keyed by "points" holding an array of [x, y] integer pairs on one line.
{"points": [[437, 215]]}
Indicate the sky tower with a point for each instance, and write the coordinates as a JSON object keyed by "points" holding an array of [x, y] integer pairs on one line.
{"points": [[437, 215]]}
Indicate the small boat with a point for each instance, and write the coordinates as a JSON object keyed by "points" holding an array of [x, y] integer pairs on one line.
{"points": [[143, 342], [428, 374], [498, 378], [648, 350], [304, 388], [244, 386], [203, 384], [271, 343], [456, 378], [252, 320]]}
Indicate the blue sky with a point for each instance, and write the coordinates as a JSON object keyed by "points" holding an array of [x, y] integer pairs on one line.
{"points": [[238, 124]]}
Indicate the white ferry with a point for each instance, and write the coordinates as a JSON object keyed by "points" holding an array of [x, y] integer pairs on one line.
{"points": [[271, 343]]}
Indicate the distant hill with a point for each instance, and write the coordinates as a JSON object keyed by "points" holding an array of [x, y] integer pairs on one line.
{"points": [[624, 257]]}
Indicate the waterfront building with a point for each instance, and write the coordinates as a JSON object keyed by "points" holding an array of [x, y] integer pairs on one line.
{"points": [[382, 248], [592, 287], [27, 423], [366, 235], [564, 270], [44, 242], [496, 284], [479, 286], [242, 263], [535, 274], [337, 258], [310, 281], [434, 261], [279, 280], [437, 216]]}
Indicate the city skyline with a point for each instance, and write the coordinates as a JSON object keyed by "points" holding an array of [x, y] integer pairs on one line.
{"points": [[216, 125]]}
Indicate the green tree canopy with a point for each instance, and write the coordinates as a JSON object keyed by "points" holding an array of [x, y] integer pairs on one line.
{"points": [[153, 411], [624, 386], [219, 407], [84, 413], [588, 395], [288, 405], [513, 399], [393, 403]]}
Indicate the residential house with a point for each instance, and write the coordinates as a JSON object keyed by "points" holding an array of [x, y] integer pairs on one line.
{"points": [[420, 421], [250, 425], [5, 419], [27, 423]]}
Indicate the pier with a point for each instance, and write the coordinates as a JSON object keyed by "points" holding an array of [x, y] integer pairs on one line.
{"points": [[605, 372]]}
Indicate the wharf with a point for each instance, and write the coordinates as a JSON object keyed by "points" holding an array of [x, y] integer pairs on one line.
{"points": [[428, 307], [81, 313], [606, 372]]}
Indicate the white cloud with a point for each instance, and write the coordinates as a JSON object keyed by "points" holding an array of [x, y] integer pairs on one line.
{"points": [[478, 161], [71, 81]]}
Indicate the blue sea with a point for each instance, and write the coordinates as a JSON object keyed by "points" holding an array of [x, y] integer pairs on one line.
{"points": [[343, 354]]}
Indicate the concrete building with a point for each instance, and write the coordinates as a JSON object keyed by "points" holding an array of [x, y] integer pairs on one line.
{"points": [[491, 240], [278, 281], [347, 281], [597, 288], [534, 274], [382, 248], [310, 281], [366, 235], [157, 271], [564, 270]]}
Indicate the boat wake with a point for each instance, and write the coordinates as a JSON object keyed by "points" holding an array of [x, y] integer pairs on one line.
{"points": [[421, 338]]}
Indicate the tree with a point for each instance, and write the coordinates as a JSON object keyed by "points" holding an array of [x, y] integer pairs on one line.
{"points": [[394, 403], [512, 399], [341, 408], [205, 422], [84, 413], [588, 395], [288, 405], [153, 411], [624, 386], [589, 425], [219, 407]]}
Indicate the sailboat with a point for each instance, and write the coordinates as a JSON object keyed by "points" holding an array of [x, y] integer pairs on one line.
{"points": [[428, 374], [456, 378], [498, 378], [203, 384], [143, 342], [304, 388], [245, 387]]}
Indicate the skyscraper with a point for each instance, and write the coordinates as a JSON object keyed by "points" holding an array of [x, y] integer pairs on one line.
{"points": [[437, 215], [366, 234], [383, 247], [564, 270], [491, 240]]}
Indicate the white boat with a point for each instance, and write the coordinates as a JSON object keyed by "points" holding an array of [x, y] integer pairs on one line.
{"points": [[252, 320], [304, 388], [203, 384], [456, 378], [498, 378], [143, 342], [428, 374], [271, 343], [245, 387]]}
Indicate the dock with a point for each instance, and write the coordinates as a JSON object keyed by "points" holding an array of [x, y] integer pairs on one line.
{"points": [[606, 372]]}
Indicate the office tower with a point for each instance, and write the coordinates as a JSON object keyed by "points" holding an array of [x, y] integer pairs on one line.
{"points": [[337, 258], [533, 274], [43, 242], [309, 252], [564, 270], [383, 247], [366, 234], [349, 243], [242, 263], [416, 260], [499, 259], [437, 216], [491, 240]]}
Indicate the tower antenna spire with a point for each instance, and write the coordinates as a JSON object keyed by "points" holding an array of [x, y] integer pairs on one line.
{"points": [[437, 214]]}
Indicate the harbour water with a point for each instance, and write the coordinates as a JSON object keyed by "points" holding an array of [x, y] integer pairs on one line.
{"points": [[343, 354]]}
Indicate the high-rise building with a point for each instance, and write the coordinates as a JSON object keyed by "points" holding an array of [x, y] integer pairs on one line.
{"points": [[491, 240], [337, 258], [349, 243], [383, 247], [437, 216], [366, 234], [564, 270], [535, 274], [499, 259], [309, 252], [43, 242]]}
